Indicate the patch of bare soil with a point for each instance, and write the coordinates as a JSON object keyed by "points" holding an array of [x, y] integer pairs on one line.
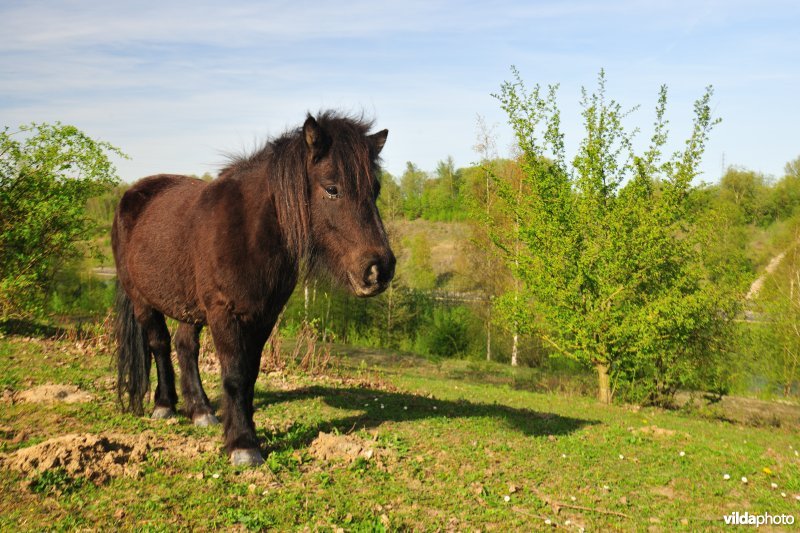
{"points": [[348, 449], [665, 491], [52, 393], [287, 381], [98, 458], [748, 411], [654, 431]]}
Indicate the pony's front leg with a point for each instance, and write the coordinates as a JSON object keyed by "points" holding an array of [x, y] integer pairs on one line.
{"points": [[239, 350]]}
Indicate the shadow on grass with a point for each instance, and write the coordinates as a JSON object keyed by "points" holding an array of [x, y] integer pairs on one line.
{"points": [[74, 327], [31, 329], [377, 407]]}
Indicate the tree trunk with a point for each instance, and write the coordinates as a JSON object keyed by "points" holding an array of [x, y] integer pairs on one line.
{"points": [[389, 306], [603, 382], [489, 339], [305, 300], [515, 350], [489, 333]]}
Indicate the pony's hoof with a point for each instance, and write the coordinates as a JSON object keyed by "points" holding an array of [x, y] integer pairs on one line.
{"points": [[247, 457], [205, 420], [162, 413]]}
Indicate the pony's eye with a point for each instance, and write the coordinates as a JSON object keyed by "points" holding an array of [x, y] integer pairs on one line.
{"points": [[332, 190]]}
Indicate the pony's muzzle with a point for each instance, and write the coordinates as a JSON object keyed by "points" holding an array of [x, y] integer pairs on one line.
{"points": [[375, 276]]}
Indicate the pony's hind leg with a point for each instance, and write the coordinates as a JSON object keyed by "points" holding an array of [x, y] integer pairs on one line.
{"points": [[187, 344], [157, 334]]}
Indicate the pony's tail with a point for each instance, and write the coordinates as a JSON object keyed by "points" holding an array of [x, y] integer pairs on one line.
{"points": [[132, 356]]}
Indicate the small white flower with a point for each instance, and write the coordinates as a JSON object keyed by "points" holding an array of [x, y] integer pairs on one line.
{"points": [[366, 405], [381, 406], [374, 399], [606, 487], [573, 498], [507, 498], [434, 407], [682, 453], [773, 485], [621, 456], [405, 408], [567, 522], [797, 453], [547, 521], [726, 477], [744, 479], [563, 456], [783, 494], [797, 497], [215, 476]]}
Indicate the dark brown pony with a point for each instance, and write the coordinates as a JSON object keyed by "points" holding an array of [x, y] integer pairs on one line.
{"points": [[228, 253]]}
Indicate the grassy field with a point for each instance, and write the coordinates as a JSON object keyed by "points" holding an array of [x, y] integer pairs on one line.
{"points": [[379, 442]]}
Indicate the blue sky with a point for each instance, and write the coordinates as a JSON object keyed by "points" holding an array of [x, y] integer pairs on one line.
{"points": [[178, 84]]}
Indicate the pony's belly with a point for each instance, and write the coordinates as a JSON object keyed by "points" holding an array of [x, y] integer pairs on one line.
{"points": [[168, 289], [186, 314]]}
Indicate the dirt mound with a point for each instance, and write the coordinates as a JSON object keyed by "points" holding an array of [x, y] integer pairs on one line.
{"points": [[98, 458], [346, 448], [93, 457], [51, 393]]}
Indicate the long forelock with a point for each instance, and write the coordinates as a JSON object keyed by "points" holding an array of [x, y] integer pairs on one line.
{"points": [[350, 152]]}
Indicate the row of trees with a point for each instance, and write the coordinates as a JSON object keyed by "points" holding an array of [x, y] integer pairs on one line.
{"points": [[415, 194]]}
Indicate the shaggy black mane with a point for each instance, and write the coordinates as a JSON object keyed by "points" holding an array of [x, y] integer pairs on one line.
{"points": [[282, 162]]}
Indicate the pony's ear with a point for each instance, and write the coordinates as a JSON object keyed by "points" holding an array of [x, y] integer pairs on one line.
{"points": [[315, 137], [378, 140]]}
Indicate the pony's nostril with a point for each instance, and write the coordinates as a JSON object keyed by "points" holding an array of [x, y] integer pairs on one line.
{"points": [[371, 275]]}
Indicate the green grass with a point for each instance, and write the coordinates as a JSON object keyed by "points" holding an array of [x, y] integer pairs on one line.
{"points": [[460, 438]]}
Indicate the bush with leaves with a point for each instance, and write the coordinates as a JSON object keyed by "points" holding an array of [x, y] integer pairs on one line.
{"points": [[47, 174], [446, 334], [610, 261]]}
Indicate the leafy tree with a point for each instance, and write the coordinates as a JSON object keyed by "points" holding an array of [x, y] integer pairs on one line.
{"points": [[47, 174], [390, 201], [510, 310], [792, 168], [441, 194], [488, 218], [786, 193], [412, 184], [749, 193], [608, 260]]}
